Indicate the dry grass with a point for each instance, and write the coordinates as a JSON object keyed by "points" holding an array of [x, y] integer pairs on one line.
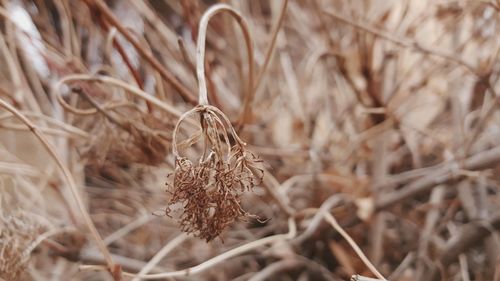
{"points": [[306, 140], [17, 233]]}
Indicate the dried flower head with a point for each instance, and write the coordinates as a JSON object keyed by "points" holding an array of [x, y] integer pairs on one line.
{"points": [[209, 190], [17, 233]]}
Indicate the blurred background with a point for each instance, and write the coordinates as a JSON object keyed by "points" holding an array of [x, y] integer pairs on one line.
{"points": [[383, 114]]}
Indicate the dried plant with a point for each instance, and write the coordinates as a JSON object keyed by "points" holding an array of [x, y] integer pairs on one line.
{"points": [[17, 233], [209, 191], [378, 116], [139, 139], [125, 135]]}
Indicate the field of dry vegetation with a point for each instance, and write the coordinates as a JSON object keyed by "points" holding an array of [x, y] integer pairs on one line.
{"points": [[249, 140]]}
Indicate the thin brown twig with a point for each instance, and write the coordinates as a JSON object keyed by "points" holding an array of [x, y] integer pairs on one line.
{"points": [[476, 131], [272, 185], [115, 82], [135, 73], [52, 121], [333, 222], [100, 109], [45, 130], [272, 45], [123, 54], [179, 239], [324, 213], [185, 56], [246, 113], [167, 75]]}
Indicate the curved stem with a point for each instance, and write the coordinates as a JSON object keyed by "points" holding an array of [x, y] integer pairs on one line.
{"points": [[46, 235], [115, 82], [196, 109], [292, 232], [161, 254], [200, 49], [333, 222], [228, 123]]}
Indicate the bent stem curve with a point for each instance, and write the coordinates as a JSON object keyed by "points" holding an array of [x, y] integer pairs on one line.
{"points": [[200, 50]]}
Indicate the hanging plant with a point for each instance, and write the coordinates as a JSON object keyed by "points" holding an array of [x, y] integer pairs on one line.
{"points": [[208, 190]]}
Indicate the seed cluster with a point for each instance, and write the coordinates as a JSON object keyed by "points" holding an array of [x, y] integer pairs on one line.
{"points": [[209, 191]]}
